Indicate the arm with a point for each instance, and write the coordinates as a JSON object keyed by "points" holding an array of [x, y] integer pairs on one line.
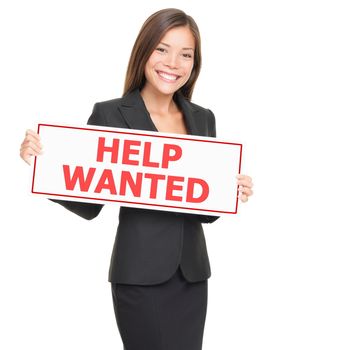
{"points": [[208, 219], [87, 211]]}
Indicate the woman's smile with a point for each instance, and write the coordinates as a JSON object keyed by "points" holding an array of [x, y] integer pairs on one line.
{"points": [[167, 77]]}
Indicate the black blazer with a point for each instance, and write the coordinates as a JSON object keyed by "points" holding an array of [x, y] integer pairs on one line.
{"points": [[150, 244]]}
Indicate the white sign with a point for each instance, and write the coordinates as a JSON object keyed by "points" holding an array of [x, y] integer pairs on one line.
{"points": [[137, 168]]}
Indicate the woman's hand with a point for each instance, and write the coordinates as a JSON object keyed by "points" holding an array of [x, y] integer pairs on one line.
{"points": [[30, 146], [245, 185]]}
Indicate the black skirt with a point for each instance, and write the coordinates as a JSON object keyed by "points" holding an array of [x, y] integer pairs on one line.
{"points": [[166, 316]]}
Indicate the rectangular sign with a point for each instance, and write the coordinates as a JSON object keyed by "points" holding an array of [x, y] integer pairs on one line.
{"points": [[137, 168]]}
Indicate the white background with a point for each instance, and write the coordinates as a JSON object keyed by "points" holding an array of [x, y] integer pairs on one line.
{"points": [[276, 74]]}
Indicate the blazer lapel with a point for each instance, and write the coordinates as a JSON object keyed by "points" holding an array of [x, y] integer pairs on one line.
{"points": [[135, 113]]}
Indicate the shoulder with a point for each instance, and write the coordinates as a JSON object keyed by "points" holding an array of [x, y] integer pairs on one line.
{"points": [[203, 112], [201, 116], [106, 113], [197, 106], [109, 104]]}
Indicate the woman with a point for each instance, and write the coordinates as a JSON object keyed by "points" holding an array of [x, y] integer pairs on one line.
{"points": [[159, 266]]}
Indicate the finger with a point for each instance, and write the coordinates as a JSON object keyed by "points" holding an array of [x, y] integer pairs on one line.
{"points": [[32, 138], [246, 190], [245, 183], [33, 134], [26, 157], [30, 151], [30, 145], [27, 154], [242, 176], [243, 198]]}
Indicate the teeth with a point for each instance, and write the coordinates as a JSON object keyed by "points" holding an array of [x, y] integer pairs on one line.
{"points": [[166, 76]]}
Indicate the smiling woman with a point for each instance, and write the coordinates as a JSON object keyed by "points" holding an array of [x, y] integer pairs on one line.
{"points": [[159, 267]]}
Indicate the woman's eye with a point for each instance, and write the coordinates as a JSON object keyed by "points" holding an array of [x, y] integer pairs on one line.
{"points": [[162, 50]]}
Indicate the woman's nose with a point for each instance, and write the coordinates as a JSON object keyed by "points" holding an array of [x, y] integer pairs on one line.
{"points": [[171, 61]]}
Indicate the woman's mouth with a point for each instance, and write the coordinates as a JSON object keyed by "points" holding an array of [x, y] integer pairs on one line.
{"points": [[169, 78]]}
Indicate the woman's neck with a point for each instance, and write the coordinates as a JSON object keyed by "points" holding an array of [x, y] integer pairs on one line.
{"points": [[157, 102]]}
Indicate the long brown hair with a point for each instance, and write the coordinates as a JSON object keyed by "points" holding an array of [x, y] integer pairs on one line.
{"points": [[147, 40]]}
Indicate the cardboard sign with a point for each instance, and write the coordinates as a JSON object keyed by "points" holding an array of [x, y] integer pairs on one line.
{"points": [[145, 169]]}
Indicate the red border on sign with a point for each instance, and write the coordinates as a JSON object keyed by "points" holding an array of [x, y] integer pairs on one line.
{"points": [[142, 203]]}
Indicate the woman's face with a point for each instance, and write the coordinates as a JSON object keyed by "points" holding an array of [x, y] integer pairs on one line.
{"points": [[170, 65]]}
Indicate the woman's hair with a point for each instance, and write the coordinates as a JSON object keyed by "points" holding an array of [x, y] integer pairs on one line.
{"points": [[154, 28]]}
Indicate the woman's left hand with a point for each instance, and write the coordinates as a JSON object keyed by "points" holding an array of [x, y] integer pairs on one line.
{"points": [[245, 185]]}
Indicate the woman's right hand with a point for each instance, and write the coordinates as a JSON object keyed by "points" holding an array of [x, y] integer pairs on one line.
{"points": [[30, 146]]}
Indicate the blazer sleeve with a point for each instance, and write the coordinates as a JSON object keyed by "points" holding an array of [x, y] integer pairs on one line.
{"points": [[87, 211], [208, 219]]}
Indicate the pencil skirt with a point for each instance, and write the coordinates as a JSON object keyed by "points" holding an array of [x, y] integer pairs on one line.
{"points": [[166, 316]]}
